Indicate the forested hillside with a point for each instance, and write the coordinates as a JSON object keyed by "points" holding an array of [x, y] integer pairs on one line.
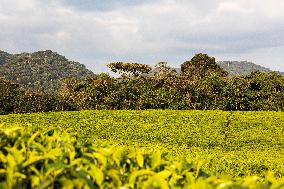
{"points": [[40, 71], [241, 67], [4, 57]]}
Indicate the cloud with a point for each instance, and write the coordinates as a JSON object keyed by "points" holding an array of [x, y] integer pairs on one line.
{"points": [[233, 7], [95, 32], [90, 5]]}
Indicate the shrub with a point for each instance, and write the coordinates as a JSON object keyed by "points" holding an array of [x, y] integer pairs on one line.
{"points": [[56, 160]]}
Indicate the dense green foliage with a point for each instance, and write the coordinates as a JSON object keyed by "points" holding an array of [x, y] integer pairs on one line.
{"points": [[202, 89], [40, 71], [4, 57], [202, 66], [257, 91], [9, 93], [55, 160], [202, 85], [14, 99], [234, 143]]}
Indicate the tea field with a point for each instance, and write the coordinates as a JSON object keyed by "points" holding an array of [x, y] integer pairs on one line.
{"points": [[235, 144], [51, 159]]}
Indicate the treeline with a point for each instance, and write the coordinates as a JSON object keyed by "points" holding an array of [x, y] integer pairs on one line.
{"points": [[202, 84]]}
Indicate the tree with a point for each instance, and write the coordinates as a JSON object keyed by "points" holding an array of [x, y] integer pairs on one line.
{"points": [[90, 93], [257, 91], [200, 66], [163, 70], [129, 69], [9, 96]]}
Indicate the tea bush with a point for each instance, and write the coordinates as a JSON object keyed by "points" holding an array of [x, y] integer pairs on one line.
{"points": [[234, 143], [57, 160]]}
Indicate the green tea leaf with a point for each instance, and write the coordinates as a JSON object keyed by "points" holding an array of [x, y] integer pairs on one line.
{"points": [[139, 159]]}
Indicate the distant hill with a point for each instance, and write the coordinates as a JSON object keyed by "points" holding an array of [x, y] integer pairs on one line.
{"points": [[239, 68], [40, 71]]}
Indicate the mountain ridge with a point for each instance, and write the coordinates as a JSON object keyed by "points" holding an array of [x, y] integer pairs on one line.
{"points": [[243, 67], [41, 70]]}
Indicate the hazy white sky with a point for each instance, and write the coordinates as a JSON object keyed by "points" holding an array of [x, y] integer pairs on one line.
{"points": [[96, 32]]}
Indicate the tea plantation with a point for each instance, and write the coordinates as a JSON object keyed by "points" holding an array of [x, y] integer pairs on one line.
{"points": [[227, 144]]}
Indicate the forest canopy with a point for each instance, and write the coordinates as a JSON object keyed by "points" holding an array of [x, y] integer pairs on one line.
{"points": [[45, 81]]}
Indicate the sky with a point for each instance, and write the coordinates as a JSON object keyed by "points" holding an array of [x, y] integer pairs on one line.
{"points": [[96, 32]]}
